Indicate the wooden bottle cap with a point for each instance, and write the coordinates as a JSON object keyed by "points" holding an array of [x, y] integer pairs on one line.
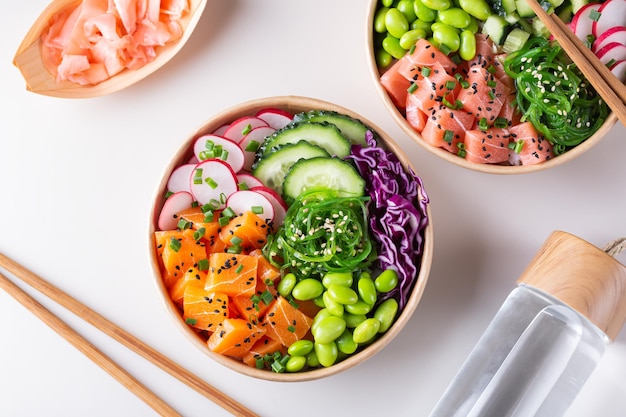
{"points": [[583, 277]]}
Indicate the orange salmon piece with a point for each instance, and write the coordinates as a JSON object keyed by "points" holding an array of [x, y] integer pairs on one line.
{"points": [[232, 274], [489, 146], [536, 148]]}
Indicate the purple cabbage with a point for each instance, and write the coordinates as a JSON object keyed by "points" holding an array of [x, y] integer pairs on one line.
{"points": [[397, 213]]}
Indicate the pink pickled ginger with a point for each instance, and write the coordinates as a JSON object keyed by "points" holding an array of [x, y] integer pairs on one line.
{"points": [[100, 38]]}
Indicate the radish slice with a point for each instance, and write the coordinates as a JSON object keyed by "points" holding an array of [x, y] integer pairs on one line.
{"points": [[613, 52], [611, 15], [177, 202], [241, 126], [280, 207], [615, 34], [193, 160], [582, 23], [619, 70], [249, 180], [221, 130], [276, 118], [235, 156], [179, 178], [212, 182], [258, 135], [248, 200]]}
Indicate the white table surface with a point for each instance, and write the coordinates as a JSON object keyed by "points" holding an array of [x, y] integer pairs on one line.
{"points": [[77, 177]]}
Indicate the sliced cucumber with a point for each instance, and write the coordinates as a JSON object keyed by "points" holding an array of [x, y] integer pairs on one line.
{"points": [[351, 128], [324, 135], [496, 27], [271, 169], [509, 6], [322, 173], [515, 40]]}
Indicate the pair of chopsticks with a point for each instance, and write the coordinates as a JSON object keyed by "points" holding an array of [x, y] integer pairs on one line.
{"points": [[612, 90], [113, 331]]}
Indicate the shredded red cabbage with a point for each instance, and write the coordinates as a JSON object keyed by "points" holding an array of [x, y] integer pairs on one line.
{"points": [[397, 213]]}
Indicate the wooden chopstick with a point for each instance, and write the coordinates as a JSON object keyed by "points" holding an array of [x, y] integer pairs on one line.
{"points": [[123, 337], [86, 348], [611, 89]]}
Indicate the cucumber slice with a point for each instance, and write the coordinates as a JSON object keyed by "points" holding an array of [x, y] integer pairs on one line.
{"points": [[515, 40], [324, 135], [328, 174], [271, 169], [497, 28], [351, 128]]}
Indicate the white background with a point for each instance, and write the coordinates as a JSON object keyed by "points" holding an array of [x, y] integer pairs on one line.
{"points": [[77, 177]]}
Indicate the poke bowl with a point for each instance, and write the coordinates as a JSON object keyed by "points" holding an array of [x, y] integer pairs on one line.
{"points": [[481, 87], [290, 238]]}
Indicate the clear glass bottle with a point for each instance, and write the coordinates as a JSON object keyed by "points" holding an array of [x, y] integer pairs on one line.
{"points": [[547, 337]]}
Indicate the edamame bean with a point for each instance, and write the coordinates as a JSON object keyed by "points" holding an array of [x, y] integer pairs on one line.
{"points": [[387, 3], [467, 48], [388, 279], [321, 315], [360, 307], [295, 364], [385, 313], [311, 360], [301, 347], [329, 329], [353, 320], [423, 12], [437, 4], [319, 301], [422, 25], [406, 7], [393, 48], [446, 36], [342, 295], [473, 25], [366, 331], [379, 20], [454, 17], [396, 23], [383, 58], [335, 308], [326, 353], [410, 37], [367, 290], [346, 343], [286, 284], [307, 289], [337, 278], [480, 9]]}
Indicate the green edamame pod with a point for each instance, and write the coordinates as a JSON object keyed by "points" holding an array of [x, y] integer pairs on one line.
{"points": [[422, 25], [393, 48], [295, 364], [335, 308], [387, 3], [473, 25], [311, 360], [386, 314], [326, 353], [410, 37], [388, 279], [353, 320], [454, 17], [301, 347], [286, 284], [366, 331], [478, 8], [346, 343], [467, 48], [383, 58], [367, 290], [437, 4], [396, 23], [322, 314], [337, 278], [360, 307], [423, 12], [379, 20], [307, 289], [329, 329], [342, 295], [406, 7]]}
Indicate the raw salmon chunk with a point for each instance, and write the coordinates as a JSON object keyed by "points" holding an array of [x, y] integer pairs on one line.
{"points": [[536, 148], [489, 146]]}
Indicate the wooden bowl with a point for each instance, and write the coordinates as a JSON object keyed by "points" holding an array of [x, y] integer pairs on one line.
{"points": [[442, 153], [39, 80], [293, 105]]}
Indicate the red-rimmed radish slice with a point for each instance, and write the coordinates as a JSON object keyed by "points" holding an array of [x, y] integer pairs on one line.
{"points": [[614, 35], [251, 142], [175, 203], [249, 180], [248, 200], [221, 130], [612, 14], [611, 53], [240, 127], [619, 70], [212, 182], [179, 178], [203, 145], [276, 118], [280, 207], [582, 23], [193, 160]]}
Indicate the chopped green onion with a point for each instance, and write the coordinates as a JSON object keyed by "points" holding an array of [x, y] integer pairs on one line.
{"points": [[456, 59], [594, 15], [203, 264], [257, 209], [267, 297], [168, 194], [223, 155], [195, 203], [228, 212], [199, 234], [491, 69], [236, 240], [175, 244], [425, 71], [197, 176], [260, 363], [611, 62], [223, 198], [461, 152], [445, 49], [183, 224], [492, 94], [252, 146], [204, 155], [234, 249], [292, 329], [191, 321], [448, 135], [239, 269], [246, 129], [223, 221], [501, 122], [243, 186], [412, 49], [518, 146], [450, 85], [492, 83], [209, 144], [412, 88], [209, 216], [211, 182], [482, 124], [589, 40]]}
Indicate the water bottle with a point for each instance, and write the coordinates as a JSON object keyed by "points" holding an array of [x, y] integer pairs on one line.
{"points": [[547, 337]]}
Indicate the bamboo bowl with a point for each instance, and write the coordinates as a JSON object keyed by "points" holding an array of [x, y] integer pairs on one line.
{"points": [[39, 80], [399, 118], [294, 105]]}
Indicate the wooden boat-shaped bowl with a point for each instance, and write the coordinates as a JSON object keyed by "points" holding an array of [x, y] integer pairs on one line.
{"points": [[39, 80]]}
